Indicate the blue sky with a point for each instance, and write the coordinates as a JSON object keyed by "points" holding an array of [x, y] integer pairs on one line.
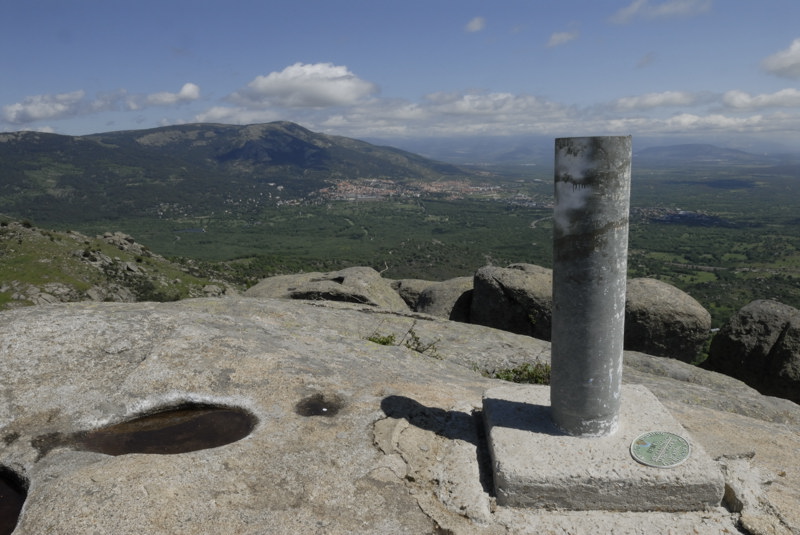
{"points": [[724, 70]]}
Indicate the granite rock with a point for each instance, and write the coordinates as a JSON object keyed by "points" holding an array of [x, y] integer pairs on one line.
{"points": [[350, 285], [402, 453], [662, 320], [450, 299], [760, 345], [518, 298], [410, 289]]}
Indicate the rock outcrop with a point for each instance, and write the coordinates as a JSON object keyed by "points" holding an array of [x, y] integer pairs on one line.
{"points": [[761, 346], [665, 321], [126, 242], [410, 289], [351, 436], [450, 299], [42, 267], [518, 298], [351, 285], [659, 318], [45, 294]]}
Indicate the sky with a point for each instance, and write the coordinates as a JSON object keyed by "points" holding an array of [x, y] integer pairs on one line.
{"points": [[678, 70]]}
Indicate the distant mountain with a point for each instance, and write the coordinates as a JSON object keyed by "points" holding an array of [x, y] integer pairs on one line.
{"points": [[198, 167], [538, 151], [703, 154], [481, 150]]}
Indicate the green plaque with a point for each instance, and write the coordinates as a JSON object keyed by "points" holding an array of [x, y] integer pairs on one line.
{"points": [[660, 449]]}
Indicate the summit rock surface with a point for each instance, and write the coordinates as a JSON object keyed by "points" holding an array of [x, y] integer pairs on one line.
{"points": [[351, 437]]}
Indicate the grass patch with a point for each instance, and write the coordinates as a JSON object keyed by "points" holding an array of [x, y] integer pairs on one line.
{"points": [[410, 339], [537, 373], [384, 340]]}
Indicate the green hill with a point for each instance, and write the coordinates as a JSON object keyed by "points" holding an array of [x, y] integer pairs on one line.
{"points": [[39, 266], [189, 169]]}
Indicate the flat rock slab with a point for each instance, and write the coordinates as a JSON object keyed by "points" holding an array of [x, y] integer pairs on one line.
{"points": [[352, 436], [536, 465]]}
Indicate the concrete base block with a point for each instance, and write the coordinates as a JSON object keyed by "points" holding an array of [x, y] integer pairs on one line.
{"points": [[536, 465]]}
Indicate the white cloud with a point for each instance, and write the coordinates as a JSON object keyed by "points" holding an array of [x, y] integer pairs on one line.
{"points": [[785, 98], [454, 113], [351, 109], [395, 117], [679, 8], [683, 124], [626, 14], [74, 104], [559, 38], [686, 122], [502, 113], [106, 101], [656, 100], [475, 25], [302, 85], [671, 8], [239, 115], [497, 105], [785, 63], [44, 107], [188, 92]]}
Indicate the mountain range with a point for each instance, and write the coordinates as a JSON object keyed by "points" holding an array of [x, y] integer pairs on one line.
{"points": [[538, 151], [702, 154], [201, 167]]}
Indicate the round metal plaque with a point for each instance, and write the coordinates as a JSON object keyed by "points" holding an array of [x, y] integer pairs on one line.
{"points": [[660, 449]]}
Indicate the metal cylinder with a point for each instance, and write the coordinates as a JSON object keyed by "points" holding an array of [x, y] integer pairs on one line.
{"points": [[590, 250]]}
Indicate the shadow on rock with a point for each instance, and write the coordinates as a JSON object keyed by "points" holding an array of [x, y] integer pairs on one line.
{"points": [[454, 425], [522, 416], [451, 425]]}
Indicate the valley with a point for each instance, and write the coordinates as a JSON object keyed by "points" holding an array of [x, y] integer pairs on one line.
{"points": [[724, 245], [242, 203]]}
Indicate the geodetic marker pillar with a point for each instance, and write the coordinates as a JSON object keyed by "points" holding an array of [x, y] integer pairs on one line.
{"points": [[590, 250]]}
